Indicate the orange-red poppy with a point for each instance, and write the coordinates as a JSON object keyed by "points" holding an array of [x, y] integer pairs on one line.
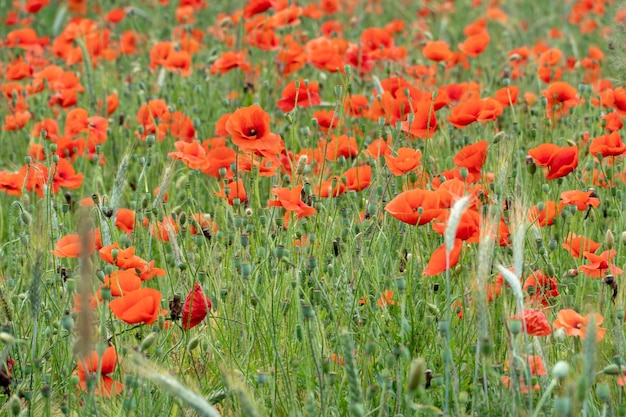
{"points": [[438, 263], [291, 201], [408, 160], [558, 161], [540, 288], [600, 264], [543, 213], [415, 207], [379, 147], [475, 45], [576, 245], [229, 61], [305, 96], [472, 157], [581, 199], [358, 178], [249, 128], [607, 145], [235, 190], [424, 123], [92, 364], [535, 322], [437, 51], [122, 282], [140, 306], [576, 325], [191, 154], [342, 145]]}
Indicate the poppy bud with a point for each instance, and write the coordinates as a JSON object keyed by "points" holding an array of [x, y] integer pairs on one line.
{"points": [[416, 374], [67, 322], [604, 392], [15, 405], [515, 326], [561, 369], [148, 341], [609, 239], [193, 343], [562, 406]]}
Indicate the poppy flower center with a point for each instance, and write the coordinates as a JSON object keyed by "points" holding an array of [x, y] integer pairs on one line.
{"points": [[252, 132]]}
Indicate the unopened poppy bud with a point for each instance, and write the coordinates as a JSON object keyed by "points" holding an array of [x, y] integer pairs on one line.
{"points": [[150, 140], [620, 315], [26, 218], [302, 161], [338, 91], [604, 392], [193, 343], [515, 326], [560, 370], [571, 273], [15, 405], [148, 341], [105, 293], [246, 270], [613, 369], [530, 165], [416, 374], [609, 239], [67, 322], [562, 406], [545, 188], [552, 244], [7, 338]]}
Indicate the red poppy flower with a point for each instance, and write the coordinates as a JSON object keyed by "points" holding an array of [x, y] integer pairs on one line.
{"points": [[475, 45], [342, 145], [191, 154], [581, 199], [305, 96], [196, 307], [122, 282], [437, 263], [235, 190], [358, 178], [607, 145], [106, 386], [424, 122], [540, 288], [249, 128], [536, 323], [122, 258], [576, 245], [437, 51], [600, 264], [140, 306], [291, 200], [379, 147], [576, 325], [415, 207], [408, 160], [472, 157], [229, 61]]}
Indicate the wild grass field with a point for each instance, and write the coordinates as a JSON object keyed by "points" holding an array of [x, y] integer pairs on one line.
{"points": [[312, 208]]}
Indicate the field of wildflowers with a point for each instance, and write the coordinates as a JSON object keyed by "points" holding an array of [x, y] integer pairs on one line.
{"points": [[312, 208]]}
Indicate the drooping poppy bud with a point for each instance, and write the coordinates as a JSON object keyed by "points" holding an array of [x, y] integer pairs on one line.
{"points": [[196, 307]]}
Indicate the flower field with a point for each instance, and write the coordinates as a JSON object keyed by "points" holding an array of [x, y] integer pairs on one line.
{"points": [[312, 208]]}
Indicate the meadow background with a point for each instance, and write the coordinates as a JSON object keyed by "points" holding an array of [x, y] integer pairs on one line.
{"points": [[342, 207]]}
